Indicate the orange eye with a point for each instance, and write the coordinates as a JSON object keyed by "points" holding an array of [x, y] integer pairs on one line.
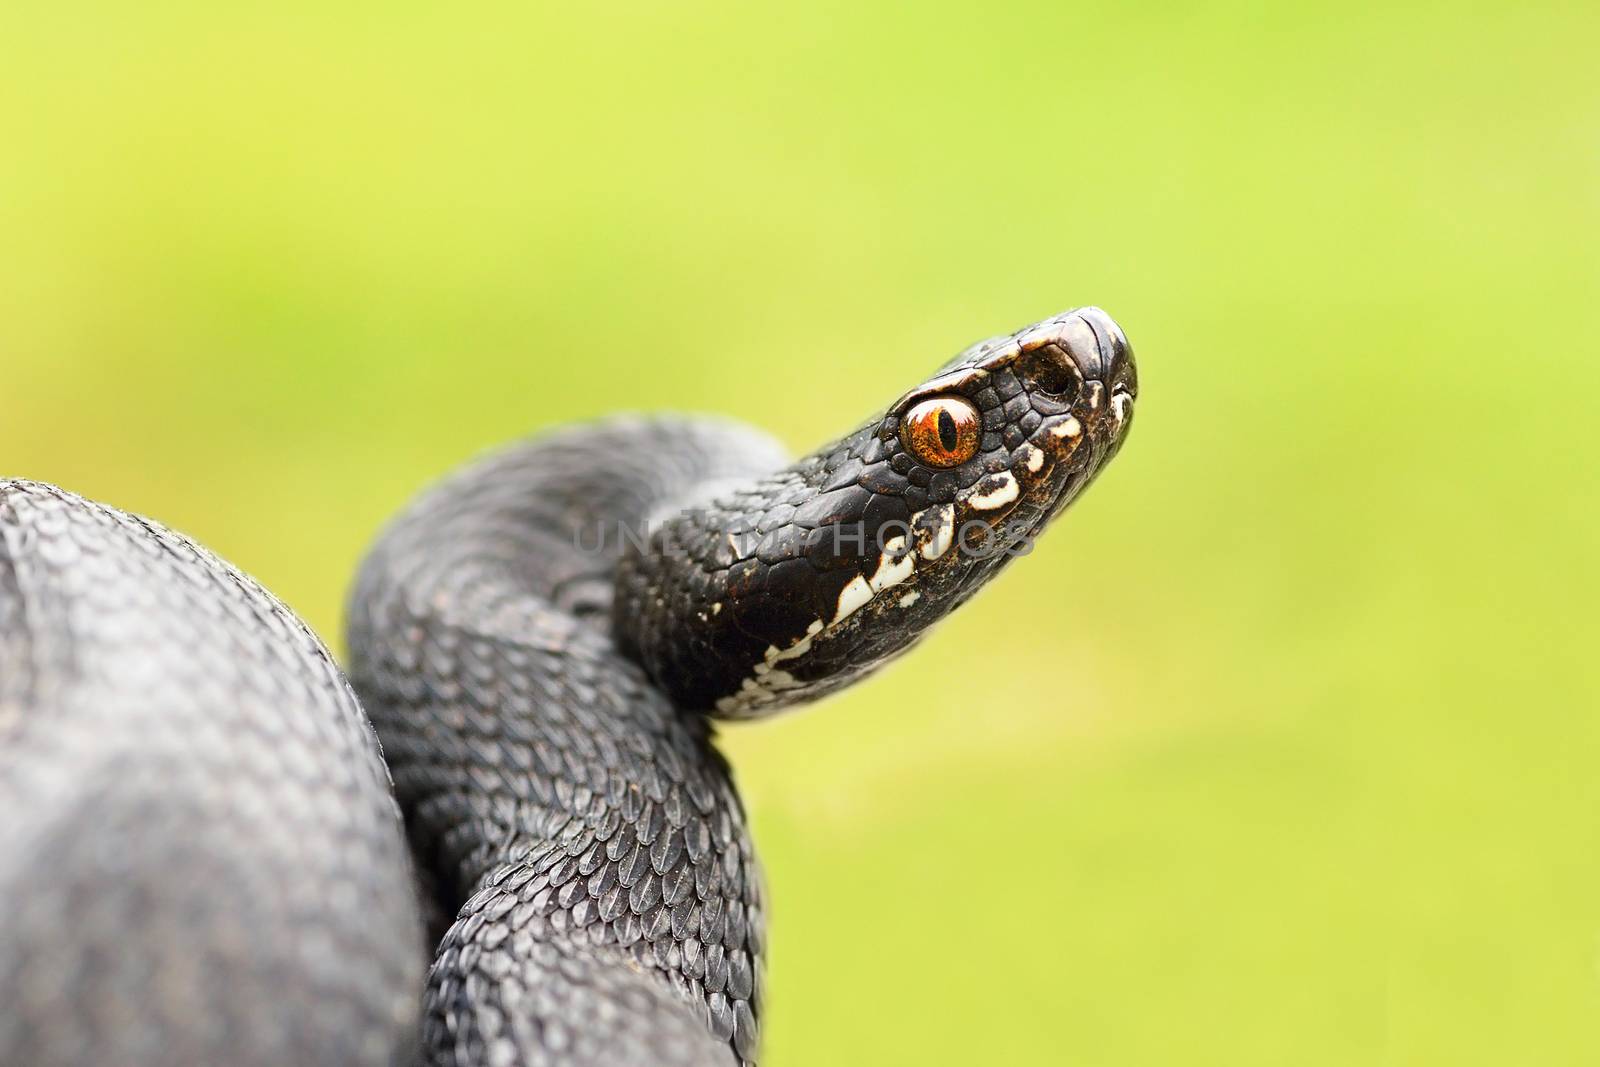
{"points": [[941, 432]]}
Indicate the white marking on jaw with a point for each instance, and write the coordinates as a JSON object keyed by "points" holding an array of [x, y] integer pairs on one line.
{"points": [[1004, 490], [1035, 459], [767, 680], [894, 566], [1120, 403], [852, 598], [771, 677], [799, 648], [939, 543], [759, 690], [1070, 428]]}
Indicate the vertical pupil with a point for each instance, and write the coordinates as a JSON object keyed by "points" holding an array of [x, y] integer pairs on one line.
{"points": [[947, 429]]}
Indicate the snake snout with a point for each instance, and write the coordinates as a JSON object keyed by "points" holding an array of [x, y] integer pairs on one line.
{"points": [[1101, 351]]}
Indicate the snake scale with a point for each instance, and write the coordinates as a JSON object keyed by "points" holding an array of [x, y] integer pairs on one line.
{"points": [[206, 858]]}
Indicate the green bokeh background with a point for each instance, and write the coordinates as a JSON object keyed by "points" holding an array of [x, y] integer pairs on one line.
{"points": [[1283, 746]]}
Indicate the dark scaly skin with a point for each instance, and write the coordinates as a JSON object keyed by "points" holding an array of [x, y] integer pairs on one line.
{"points": [[199, 854], [584, 832], [566, 799], [201, 861]]}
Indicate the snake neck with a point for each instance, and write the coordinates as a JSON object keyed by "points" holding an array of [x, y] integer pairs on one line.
{"points": [[582, 836]]}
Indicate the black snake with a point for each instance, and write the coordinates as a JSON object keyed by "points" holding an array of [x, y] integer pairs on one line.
{"points": [[201, 858]]}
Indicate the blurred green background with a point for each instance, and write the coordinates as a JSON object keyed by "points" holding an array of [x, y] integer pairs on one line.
{"points": [[1283, 746]]}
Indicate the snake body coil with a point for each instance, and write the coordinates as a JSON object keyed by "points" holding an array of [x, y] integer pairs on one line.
{"points": [[538, 641]]}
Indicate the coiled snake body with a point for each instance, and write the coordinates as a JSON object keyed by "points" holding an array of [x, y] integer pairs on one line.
{"points": [[200, 852]]}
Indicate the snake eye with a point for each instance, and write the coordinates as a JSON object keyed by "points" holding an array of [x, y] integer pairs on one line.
{"points": [[941, 432]]}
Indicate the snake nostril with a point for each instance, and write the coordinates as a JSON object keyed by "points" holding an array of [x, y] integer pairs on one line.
{"points": [[1081, 344], [1051, 370]]}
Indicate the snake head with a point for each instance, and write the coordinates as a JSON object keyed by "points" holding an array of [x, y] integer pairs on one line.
{"points": [[1048, 407], [801, 582]]}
